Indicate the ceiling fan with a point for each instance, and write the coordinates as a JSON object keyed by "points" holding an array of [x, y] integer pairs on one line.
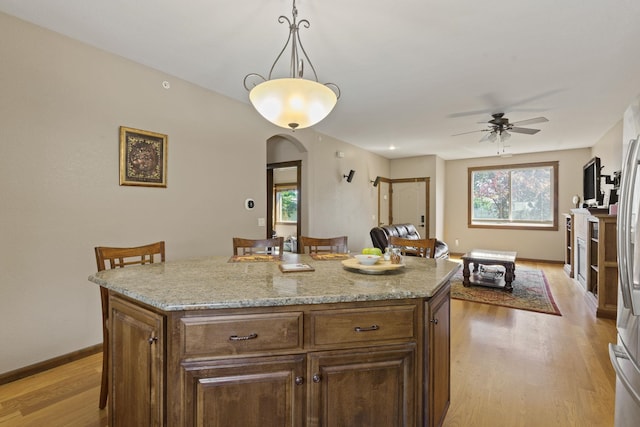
{"points": [[500, 126]]}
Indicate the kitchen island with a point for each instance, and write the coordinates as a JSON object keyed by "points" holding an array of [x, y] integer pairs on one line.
{"points": [[218, 343]]}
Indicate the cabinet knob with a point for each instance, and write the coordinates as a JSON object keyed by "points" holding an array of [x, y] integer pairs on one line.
{"points": [[434, 321], [152, 340], [317, 378], [299, 380]]}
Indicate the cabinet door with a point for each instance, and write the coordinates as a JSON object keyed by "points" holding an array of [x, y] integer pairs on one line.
{"points": [[247, 392], [372, 387], [137, 340], [438, 357]]}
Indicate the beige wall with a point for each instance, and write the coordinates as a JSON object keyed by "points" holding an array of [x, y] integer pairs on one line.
{"points": [[61, 107], [425, 166], [437, 230], [60, 110], [609, 149], [542, 245]]}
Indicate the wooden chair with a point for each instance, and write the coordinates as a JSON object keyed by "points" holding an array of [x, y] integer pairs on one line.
{"points": [[315, 245], [259, 246], [108, 258], [425, 248]]}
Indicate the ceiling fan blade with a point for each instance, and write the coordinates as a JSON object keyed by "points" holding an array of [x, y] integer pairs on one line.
{"points": [[524, 130], [472, 131], [531, 121]]}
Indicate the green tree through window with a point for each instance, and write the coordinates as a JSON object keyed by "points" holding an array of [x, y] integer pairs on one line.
{"points": [[286, 204]]}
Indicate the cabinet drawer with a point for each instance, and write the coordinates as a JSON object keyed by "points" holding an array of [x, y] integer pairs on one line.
{"points": [[362, 325], [229, 335]]}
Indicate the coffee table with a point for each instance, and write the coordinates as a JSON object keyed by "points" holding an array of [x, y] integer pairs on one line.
{"points": [[484, 257]]}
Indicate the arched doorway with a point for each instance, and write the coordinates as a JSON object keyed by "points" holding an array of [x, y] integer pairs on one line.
{"points": [[285, 196]]}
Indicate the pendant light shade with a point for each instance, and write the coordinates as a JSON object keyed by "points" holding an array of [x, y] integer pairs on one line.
{"points": [[292, 102]]}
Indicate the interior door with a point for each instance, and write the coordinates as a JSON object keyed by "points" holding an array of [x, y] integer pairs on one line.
{"points": [[403, 201], [409, 204]]}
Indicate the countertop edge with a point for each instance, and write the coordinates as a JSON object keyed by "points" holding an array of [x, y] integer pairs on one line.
{"points": [[282, 301]]}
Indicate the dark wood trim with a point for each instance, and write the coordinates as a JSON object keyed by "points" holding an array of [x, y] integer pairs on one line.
{"points": [[45, 365], [270, 187], [427, 182]]}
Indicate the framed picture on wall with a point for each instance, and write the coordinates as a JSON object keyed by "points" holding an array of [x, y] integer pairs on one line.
{"points": [[143, 158]]}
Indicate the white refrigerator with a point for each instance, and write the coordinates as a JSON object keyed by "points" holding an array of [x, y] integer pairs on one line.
{"points": [[625, 354]]}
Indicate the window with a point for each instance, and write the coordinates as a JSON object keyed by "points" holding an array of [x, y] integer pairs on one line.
{"points": [[514, 196], [286, 205]]}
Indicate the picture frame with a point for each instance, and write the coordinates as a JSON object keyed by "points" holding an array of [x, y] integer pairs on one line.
{"points": [[143, 158]]}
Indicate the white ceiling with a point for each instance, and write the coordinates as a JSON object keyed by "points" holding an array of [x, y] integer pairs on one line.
{"points": [[412, 72]]}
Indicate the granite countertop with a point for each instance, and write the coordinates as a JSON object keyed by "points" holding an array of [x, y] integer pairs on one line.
{"points": [[214, 282]]}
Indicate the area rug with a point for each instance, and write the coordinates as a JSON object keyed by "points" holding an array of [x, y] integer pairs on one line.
{"points": [[530, 292]]}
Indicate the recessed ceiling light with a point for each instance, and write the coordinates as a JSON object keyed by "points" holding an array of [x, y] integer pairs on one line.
{"points": [[392, 147]]}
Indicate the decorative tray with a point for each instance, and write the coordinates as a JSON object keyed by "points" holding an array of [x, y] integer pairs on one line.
{"points": [[329, 256], [381, 267], [254, 258]]}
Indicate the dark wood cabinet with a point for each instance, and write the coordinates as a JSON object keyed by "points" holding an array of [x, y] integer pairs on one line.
{"points": [[568, 244], [602, 259], [438, 357], [595, 259], [369, 387], [373, 363], [262, 391], [136, 395]]}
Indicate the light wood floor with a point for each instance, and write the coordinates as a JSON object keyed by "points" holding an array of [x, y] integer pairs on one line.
{"points": [[509, 368], [518, 368]]}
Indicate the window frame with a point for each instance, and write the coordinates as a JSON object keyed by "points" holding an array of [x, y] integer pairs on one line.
{"points": [[515, 225], [282, 187]]}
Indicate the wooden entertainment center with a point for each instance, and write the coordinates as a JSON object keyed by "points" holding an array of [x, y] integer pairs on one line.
{"points": [[591, 256]]}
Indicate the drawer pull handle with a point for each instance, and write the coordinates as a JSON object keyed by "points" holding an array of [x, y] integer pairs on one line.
{"points": [[370, 328], [434, 321], [244, 338]]}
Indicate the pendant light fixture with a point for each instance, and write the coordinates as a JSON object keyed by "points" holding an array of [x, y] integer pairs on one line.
{"points": [[292, 102]]}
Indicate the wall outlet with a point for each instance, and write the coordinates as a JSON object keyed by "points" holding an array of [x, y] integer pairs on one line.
{"points": [[261, 222], [457, 242]]}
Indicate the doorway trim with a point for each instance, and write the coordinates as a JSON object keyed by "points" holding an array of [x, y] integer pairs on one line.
{"points": [[427, 182]]}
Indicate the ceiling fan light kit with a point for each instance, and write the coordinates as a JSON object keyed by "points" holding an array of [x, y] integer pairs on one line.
{"points": [[293, 102]]}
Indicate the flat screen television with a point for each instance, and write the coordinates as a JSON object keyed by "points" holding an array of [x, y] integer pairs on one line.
{"points": [[591, 194]]}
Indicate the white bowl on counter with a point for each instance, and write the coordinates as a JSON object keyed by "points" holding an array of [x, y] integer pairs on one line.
{"points": [[367, 259]]}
